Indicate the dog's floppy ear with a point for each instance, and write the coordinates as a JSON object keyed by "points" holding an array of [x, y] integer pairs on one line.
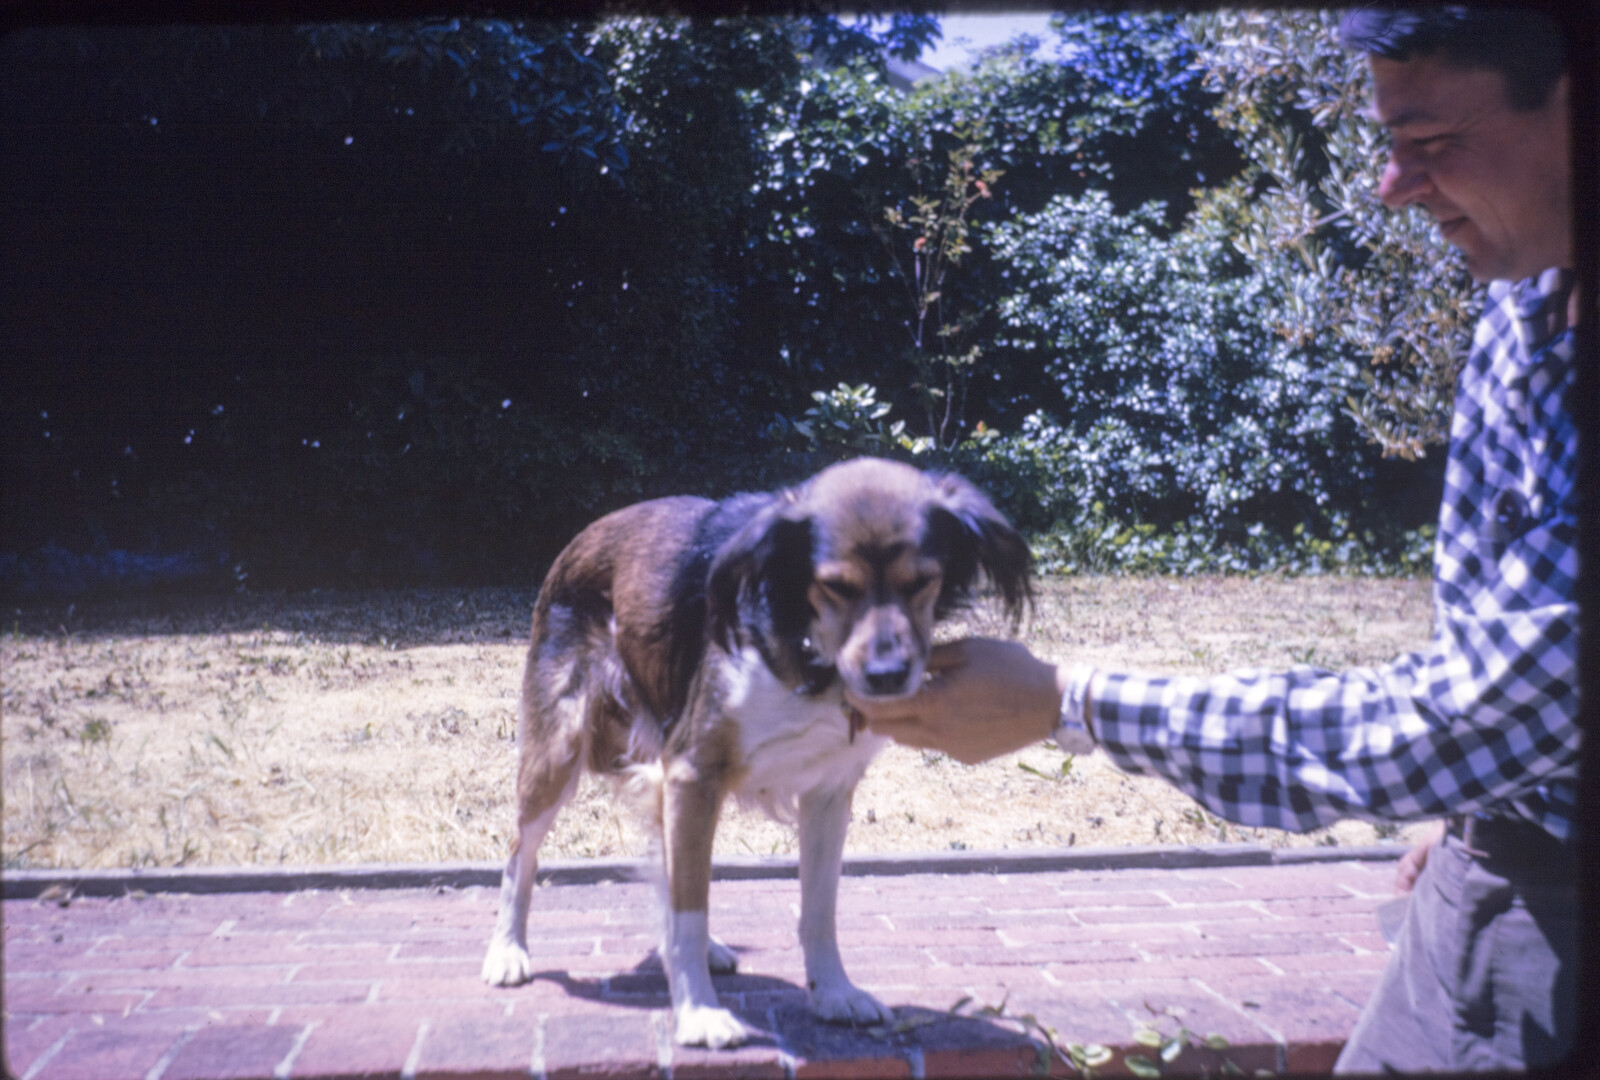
{"points": [[765, 568], [974, 536]]}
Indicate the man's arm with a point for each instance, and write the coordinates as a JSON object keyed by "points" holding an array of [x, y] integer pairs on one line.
{"points": [[1486, 715]]}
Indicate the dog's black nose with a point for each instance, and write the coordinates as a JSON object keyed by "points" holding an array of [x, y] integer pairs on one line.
{"points": [[887, 680]]}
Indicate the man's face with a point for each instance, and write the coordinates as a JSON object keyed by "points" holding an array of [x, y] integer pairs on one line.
{"points": [[1496, 180]]}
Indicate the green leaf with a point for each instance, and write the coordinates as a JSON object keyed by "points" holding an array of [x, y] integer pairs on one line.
{"points": [[1142, 1066]]}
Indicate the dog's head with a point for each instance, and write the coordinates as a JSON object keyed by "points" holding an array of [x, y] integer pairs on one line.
{"points": [[854, 568]]}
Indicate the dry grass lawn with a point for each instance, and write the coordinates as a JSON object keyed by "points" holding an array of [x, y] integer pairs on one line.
{"points": [[342, 727]]}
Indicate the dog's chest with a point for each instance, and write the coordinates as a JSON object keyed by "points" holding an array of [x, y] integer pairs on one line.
{"points": [[790, 743]]}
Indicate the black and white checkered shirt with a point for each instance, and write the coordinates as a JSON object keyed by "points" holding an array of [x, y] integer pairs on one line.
{"points": [[1485, 718]]}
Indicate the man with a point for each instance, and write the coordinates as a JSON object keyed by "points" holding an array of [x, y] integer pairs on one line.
{"points": [[1481, 727]]}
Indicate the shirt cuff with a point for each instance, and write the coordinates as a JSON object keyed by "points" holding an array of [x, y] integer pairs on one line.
{"points": [[1073, 731]]}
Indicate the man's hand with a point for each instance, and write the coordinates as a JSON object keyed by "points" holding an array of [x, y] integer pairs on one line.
{"points": [[1412, 862], [982, 698]]}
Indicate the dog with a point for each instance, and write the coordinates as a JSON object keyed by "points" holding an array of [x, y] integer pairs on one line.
{"points": [[700, 649]]}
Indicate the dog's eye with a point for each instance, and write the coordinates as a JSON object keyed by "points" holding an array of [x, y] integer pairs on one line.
{"points": [[843, 591]]}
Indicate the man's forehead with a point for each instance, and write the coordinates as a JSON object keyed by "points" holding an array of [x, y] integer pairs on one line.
{"points": [[1428, 90]]}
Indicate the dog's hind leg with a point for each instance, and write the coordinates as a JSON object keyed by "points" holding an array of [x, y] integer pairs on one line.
{"points": [[507, 962], [824, 818]]}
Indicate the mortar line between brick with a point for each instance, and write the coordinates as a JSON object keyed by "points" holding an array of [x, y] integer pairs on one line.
{"points": [[1275, 1035], [287, 1064], [165, 1060], [408, 1071], [44, 1059], [786, 1058], [536, 1065]]}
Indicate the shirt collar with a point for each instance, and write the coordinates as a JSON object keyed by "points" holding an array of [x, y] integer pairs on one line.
{"points": [[1541, 306]]}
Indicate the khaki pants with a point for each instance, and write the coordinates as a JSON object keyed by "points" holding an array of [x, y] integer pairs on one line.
{"points": [[1483, 970]]}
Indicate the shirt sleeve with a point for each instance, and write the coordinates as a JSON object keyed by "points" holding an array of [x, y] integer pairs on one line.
{"points": [[1485, 715]]}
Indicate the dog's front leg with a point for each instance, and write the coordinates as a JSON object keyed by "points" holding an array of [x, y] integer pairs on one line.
{"points": [[824, 818], [690, 804]]}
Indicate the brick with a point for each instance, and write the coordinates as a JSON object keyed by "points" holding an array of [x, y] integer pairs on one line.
{"points": [[1074, 899], [1314, 1058], [973, 1046], [84, 1001], [1190, 1005], [1319, 962], [358, 1041], [869, 976], [823, 1051], [116, 1049], [33, 993], [1354, 987], [918, 936], [760, 1059], [46, 958], [373, 971], [943, 998], [1325, 924], [460, 948], [420, 987], [232, 1053], [1199, 914], [628, 1043], [237, 996], [26, 1037], [174, 943], [1301, 1014], [1076, 1015], [1321, 906], [1200, 1060], [477, 1046], [1368, 941], [223, 954], [910, 940], [1139, 970], [960, 955], [759, 1002], [1068, 933], [1271, 946], [127, 959]]}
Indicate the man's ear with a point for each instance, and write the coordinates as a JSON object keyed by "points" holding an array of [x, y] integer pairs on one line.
{"points": [[973, 536], [762, 573]]}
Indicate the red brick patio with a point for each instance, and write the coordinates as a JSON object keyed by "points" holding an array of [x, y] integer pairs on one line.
{"points": [[1273, 954]]}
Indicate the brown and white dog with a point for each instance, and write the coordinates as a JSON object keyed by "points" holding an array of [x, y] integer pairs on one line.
{"points": [[700, 648]]}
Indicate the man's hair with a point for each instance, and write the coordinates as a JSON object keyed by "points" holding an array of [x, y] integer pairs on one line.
{"points": [[1523, 45]]}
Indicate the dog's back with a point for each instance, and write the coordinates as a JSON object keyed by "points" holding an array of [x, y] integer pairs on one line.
{"points": [[620, 623]]}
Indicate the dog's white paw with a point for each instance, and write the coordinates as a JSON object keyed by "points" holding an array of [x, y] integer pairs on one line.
{"points": [[709, 1026], [843, 1003], [507, 964], [721, 959]]}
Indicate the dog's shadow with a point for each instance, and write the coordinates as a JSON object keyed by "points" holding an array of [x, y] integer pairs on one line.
{"points": [[779, 1014]]}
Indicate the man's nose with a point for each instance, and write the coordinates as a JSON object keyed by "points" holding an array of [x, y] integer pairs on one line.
{"points": [[1404, 181]]}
